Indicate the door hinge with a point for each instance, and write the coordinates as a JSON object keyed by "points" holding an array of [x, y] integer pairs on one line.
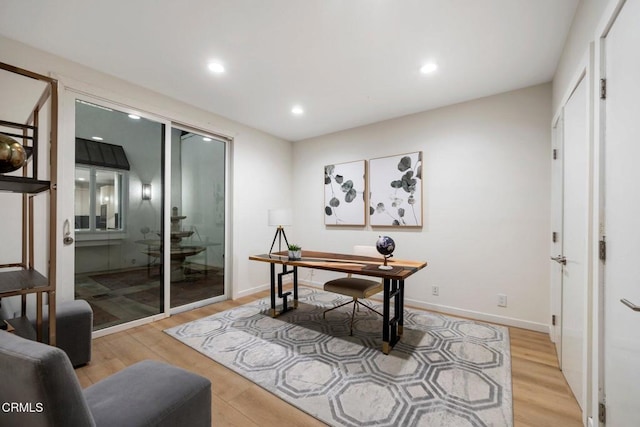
{"points": [[603, 88], [603, 249], [553, 320], [602, 413], [554, 236], [555, 154]]}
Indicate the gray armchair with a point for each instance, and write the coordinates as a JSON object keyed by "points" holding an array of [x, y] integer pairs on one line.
{"points": [[40, 388]]}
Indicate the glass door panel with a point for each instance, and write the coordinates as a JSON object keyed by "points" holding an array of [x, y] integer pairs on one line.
{"points": [[197, 217], [118, 225]]}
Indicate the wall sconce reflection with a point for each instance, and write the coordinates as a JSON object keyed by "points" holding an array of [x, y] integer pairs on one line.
{"points": [[146, 191]]}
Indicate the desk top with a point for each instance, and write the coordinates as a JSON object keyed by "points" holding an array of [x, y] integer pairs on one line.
{"points": [[355, 264]]}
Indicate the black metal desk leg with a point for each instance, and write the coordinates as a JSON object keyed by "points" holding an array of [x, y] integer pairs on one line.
{"points": [[277, 291], [385, 317], [393, 323], [273, 290], [400, 305], [282, 295], [295, 286]]}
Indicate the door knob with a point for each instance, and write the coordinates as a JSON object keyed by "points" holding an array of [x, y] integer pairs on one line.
{"points": [[66, 228], [560, 259]]}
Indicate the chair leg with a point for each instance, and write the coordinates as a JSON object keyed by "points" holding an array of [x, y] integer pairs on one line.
{"points": [[333, 308], [353, 314], [355, 303], [370, 308]]}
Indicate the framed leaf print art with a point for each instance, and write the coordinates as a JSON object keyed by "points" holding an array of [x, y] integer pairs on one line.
{"points": [[395, 190], [344, 192]]}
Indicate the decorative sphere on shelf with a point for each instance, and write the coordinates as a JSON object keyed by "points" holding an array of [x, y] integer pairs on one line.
{"points": [[12, 154], [385, 245]]}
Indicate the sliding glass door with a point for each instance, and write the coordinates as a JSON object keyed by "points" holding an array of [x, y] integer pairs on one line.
{"points": [[118, 213], [197, 218], [146, 246]]}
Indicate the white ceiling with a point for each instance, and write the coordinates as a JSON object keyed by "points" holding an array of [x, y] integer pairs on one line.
{"points": [[347, 62]]}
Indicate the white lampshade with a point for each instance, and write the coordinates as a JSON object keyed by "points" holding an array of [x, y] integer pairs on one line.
{"points": [[279, 217]]}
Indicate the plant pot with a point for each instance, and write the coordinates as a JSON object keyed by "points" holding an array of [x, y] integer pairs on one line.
{"points": [[295, 254]]}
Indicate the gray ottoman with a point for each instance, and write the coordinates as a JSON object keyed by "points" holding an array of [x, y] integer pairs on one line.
{"points": [[74, 325], [151, 393]]}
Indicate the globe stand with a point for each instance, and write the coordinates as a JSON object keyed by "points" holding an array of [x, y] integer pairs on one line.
{"points": [[385, 266]]}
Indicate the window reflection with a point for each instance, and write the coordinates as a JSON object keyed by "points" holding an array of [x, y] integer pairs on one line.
{"points": [[99, 196], [198, 217], [118, 241], [108, 197], [82, 199]]}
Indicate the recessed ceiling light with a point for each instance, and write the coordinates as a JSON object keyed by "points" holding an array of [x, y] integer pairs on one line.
{"points": [[216, 67], [428, 68], [134, 117], [205, 139], [297, 110], [97, 138]]}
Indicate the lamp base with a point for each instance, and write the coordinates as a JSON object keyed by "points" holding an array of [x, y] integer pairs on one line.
{"points": [[279, 235]]}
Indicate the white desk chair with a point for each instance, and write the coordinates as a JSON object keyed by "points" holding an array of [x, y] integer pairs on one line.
{"points": [[357, 288]]}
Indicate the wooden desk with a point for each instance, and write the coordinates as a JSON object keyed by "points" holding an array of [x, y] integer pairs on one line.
{"points": [[392, 327]]}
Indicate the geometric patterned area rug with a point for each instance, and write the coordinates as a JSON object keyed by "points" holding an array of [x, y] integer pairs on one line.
{"points": [[444, 371]]}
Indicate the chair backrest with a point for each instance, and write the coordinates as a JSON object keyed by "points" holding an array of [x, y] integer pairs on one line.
{"points": [[38, 386]]}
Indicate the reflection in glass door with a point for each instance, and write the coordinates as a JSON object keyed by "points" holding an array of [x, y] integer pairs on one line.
{"points": [[197, 217], [118, 214]]}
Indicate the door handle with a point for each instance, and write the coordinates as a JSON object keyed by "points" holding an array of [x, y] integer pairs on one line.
{"points": [[559, 259], [629, 304], [66, 229]]}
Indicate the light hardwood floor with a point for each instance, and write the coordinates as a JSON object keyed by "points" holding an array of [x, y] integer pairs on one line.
{"points": [[541, 396]]}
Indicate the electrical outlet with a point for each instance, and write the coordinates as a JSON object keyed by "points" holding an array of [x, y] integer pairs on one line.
{"points": [[435, 290], [502, 300]]}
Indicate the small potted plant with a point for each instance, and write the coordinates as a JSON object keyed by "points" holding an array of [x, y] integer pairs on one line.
{"points": [[295, 251]]}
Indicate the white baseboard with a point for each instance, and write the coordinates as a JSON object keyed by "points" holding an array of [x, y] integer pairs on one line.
{"points": [[264, 287], [251, 291], [129, 325], [475, 315]]}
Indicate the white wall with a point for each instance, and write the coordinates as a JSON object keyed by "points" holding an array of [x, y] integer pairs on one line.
{"points": [[486, 178], [261, 163]]}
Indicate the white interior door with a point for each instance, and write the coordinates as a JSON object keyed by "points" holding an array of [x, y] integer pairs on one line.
{"points": [[622, 219], [575, 242], [557, 189]]}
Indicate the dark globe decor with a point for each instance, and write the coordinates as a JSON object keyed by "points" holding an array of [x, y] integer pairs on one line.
{"points": [[385, 246]]}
